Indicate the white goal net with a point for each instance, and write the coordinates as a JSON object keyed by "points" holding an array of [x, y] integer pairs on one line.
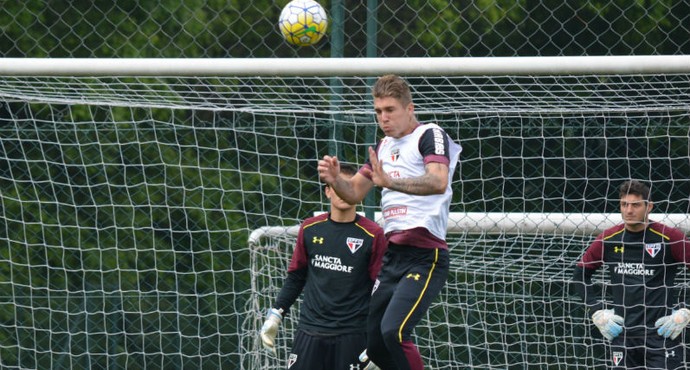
{"points": [[148, 208]]}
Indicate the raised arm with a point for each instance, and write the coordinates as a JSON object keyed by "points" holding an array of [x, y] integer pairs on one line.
{"points": [[433, 181], [351, 190]]}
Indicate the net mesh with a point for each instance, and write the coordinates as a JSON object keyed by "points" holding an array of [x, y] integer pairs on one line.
{"points": [[127, 203]]}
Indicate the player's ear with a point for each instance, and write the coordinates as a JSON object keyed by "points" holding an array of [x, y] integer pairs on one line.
{"points": [[410, 108], [328, 191]]}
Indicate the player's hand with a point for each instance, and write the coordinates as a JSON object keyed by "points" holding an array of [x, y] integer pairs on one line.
{"points": [[269, 330], [363, 357], [670, 326], [328, 169], [379, 177], [610, 325]]}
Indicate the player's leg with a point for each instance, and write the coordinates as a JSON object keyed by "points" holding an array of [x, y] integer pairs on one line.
{"points": [[380, 298], [421, 284], [307, 353], [346, 350]]}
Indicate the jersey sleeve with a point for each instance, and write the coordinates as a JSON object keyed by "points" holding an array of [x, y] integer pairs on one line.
{"points": [[591, 260], [379, 249], [680, 246], [299, 254], [296, 276], [593, 257], [434, 146]]}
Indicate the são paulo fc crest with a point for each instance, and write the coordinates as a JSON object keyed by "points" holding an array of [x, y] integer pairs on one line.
{"points": [[617, 357], [395, 154], [291, 360], [354, 244], [652, 249]]}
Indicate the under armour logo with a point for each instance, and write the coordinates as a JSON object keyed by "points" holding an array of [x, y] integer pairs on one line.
{"points": [[354, 366], [617, 249], [317, 240], [671, 354], [413, 276]]}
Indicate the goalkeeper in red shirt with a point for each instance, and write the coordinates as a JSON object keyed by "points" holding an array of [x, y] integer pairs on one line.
{"points": [[644, 320], [335, 262]]}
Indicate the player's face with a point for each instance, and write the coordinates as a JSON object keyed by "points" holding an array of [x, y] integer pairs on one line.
{"points": [[337, 202], [395, 120], [635, 211]]}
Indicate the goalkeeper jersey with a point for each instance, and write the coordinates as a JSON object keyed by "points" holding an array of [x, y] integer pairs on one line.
{"points": [[642, 267], [335, 265]]}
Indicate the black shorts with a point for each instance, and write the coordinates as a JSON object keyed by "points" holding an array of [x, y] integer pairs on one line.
{"points": [[326, 352], [410, 280], [650, 352]]}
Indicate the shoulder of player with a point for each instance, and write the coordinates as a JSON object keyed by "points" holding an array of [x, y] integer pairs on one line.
{"points": [[426, 128], [311, 221], [368, 225], [667, 232], [612, 231], [428, 125]]}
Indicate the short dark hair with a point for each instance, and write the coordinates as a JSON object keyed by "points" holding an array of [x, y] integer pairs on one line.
{"points": [[634, 187]]}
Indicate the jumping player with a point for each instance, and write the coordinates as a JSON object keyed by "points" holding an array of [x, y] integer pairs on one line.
{"points": [[643, 258], [413, 165], [335, 262]]}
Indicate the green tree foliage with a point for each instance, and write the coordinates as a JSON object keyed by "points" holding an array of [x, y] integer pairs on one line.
{"points": [[416, 28]]}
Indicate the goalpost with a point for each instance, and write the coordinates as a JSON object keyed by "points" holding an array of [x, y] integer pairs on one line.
{"points": [[149, 206]]}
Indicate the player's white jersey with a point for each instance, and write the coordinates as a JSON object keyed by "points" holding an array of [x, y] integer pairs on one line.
{"points": [[406, 157]]}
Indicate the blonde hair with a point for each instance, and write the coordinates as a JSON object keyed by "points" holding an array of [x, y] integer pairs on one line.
{"points": [[392, 86]]}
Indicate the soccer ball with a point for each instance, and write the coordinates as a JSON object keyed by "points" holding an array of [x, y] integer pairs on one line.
{"points": [[303, 22]]}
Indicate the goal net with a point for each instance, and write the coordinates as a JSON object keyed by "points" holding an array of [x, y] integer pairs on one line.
{"points": [[148, 208]]}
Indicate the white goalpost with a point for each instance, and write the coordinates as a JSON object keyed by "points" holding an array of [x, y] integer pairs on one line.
{"points": [[495, 222], [467, 66], [149, 206]]}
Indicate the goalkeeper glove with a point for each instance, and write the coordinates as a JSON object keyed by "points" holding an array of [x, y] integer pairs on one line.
{"points": [[673, 324], [363, 357], [609, 324], [269, 330]]}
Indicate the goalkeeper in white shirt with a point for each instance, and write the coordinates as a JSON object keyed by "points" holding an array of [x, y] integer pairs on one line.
{"points": [[644, 321]]}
